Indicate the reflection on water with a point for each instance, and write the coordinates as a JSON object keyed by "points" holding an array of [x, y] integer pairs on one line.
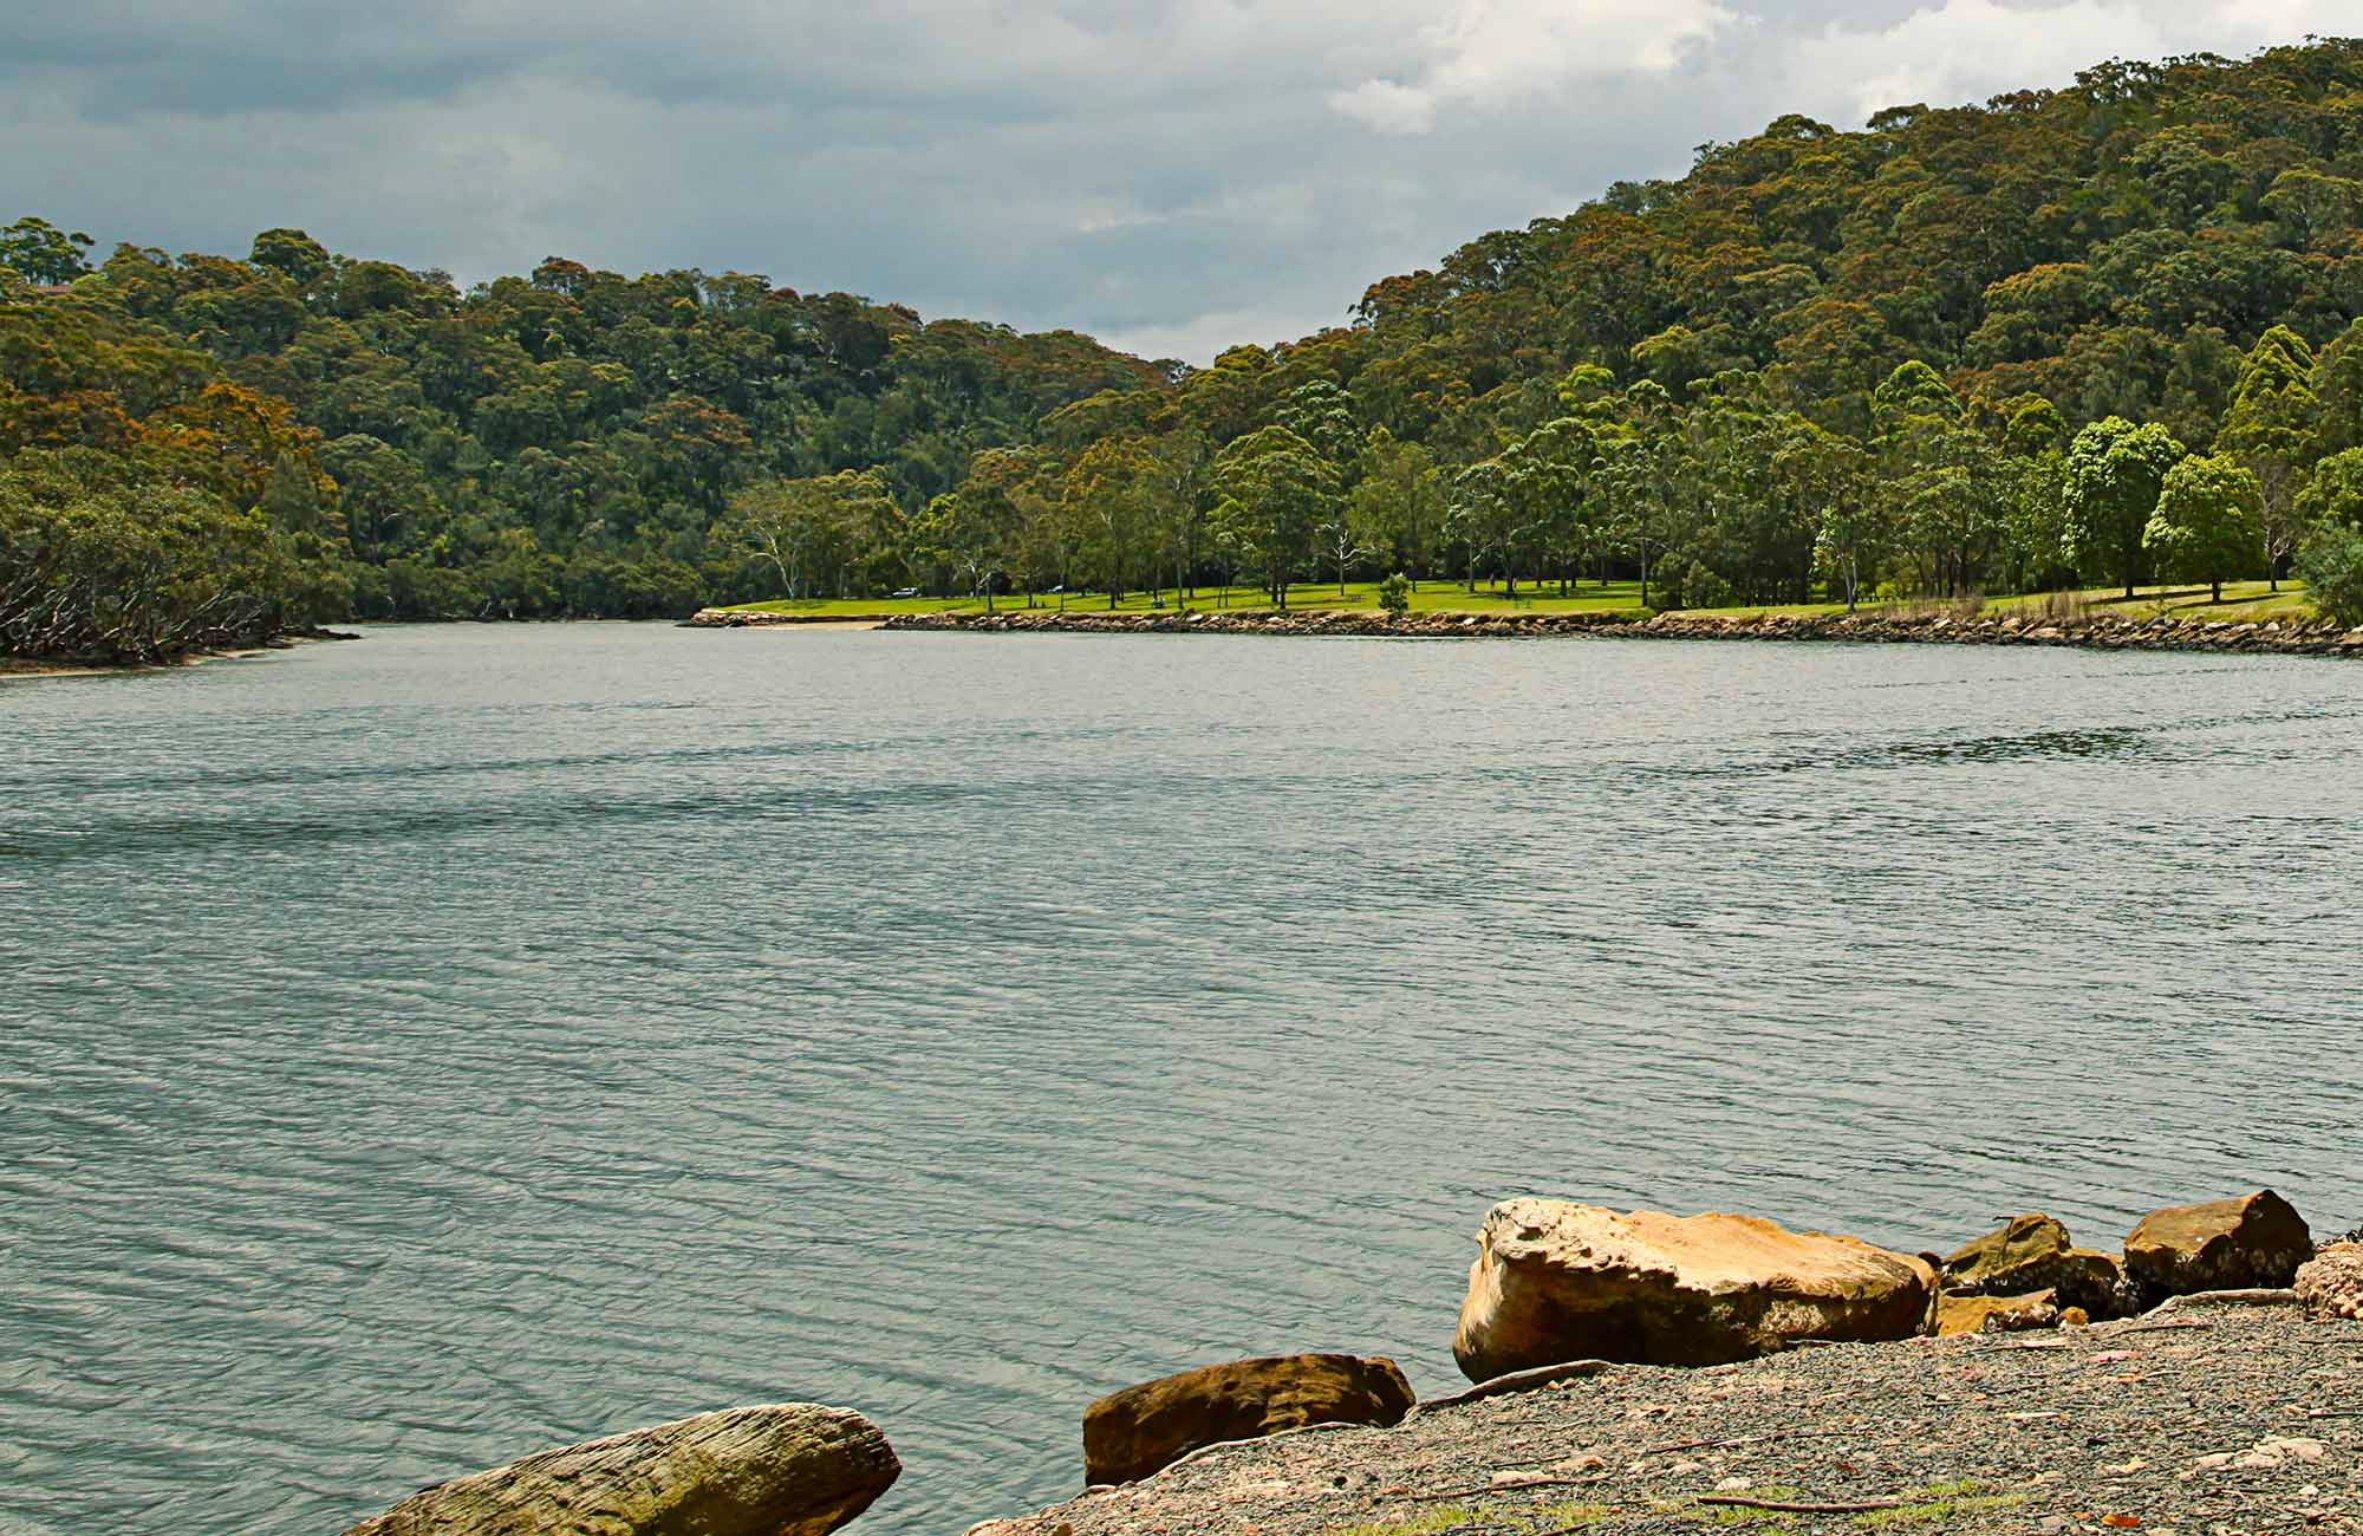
{"points": [[424, 1051]]}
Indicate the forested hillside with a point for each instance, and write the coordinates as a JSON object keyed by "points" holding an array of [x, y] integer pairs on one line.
{"points": [[2100, 334], [565, 443]]}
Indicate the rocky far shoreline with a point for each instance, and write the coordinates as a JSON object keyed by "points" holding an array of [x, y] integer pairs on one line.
{"points": [[2288, 637], [1643, 1373], [26, 667]]}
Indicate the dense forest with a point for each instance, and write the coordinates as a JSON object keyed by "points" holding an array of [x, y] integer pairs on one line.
{"points": [[196, 450], [2103, 334]]}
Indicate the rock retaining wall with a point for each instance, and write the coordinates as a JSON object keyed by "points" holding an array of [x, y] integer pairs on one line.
{"points": [[2277, 637]]}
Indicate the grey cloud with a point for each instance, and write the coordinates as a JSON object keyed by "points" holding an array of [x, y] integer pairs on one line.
{"points": [[1155, 171]]}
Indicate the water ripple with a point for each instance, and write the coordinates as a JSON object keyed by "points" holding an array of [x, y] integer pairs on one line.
{"points": [[424, 1051]]}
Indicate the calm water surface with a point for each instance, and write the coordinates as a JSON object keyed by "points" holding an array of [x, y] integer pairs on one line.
{"points": [[424, 1051]]}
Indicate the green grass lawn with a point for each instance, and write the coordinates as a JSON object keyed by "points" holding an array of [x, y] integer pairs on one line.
{"points": [[1432, 597], [2244, 602]]}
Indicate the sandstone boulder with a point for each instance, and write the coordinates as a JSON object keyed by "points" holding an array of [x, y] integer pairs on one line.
{"points": [[1555, 1280], [1129, 1435], [1958, 1314], [2330, 1285], [788, 1469], [2033, 1253], [2249, 1241]]}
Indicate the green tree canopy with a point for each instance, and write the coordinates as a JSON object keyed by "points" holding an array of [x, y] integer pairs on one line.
{"points": [[2209, 524], [1275, 490], [2114, 473]]}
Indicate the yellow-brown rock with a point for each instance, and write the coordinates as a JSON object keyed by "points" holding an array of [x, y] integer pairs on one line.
{"points": [[1555, 1280], [788, 1469], [1957, 1314], [2247, 1242], [2033, 1253], [1131, 1434]]}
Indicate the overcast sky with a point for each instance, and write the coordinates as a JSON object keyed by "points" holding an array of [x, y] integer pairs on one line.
{"points": [[1170, 175]]}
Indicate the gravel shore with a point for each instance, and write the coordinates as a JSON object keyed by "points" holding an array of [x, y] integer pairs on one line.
{"points": [[2203, 1419]]}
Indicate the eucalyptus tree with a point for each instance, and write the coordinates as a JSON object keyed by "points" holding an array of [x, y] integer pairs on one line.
{"points": [[2333, 494], [1274, 492], [1481, 518], [1548, 479], [1398, 503], [974, 534], [2272, 429], [42, 252], [811, 530], [1111, 487], [2209, 523], [1322, 413], [2115, 471], [1635, 515], [1945, 478], [1179, 464]]}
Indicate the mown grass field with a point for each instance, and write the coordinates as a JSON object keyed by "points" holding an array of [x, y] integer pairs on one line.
{"points": [[1432, 596], [2244, 602]]}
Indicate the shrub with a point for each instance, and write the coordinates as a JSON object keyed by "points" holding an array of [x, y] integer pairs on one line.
{"points": [[1394, 595], [1704, 587], [2331, 561]]}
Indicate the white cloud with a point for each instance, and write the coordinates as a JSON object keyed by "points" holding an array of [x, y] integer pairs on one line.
{"points": [[1968, 50], [1509, 53], [1198, 338], [1387, 107]]}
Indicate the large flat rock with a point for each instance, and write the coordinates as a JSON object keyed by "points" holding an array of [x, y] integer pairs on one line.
{"points": [[1556, 1280]]}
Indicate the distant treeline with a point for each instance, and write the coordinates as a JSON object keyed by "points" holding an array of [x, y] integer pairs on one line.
{"points": [[2099, 334], [304, 435]]}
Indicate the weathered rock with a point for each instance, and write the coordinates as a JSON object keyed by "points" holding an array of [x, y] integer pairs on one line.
{"points": [[2330, 1285], [788, 1469], [2034, 1253], [1959, 1314], [1129, 1435], [2254, 1241], [1555, 1280]]}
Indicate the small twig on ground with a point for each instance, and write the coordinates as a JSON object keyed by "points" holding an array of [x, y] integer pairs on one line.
{"points": [[1739, 1501], [2171, 1323], [1452, 1495]]}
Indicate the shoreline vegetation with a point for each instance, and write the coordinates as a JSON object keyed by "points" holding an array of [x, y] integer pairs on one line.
{"points": [[2107, 334], [27, 668], [1641, 1373], [2246, 618]]}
